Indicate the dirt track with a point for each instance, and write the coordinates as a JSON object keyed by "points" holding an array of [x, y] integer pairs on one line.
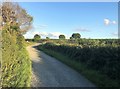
{"points": [[49, 72]]}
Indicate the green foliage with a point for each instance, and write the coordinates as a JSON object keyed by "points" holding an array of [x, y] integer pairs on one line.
{"points": [[16, 65], [29, 40], [36, 37], [15, 27], [94, 76], [103, 59], [76, 35], [47, 38], [71, 38], [15, 17], [61, 37]]}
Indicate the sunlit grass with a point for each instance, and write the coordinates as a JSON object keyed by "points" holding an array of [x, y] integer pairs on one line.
{"points": [[16, 65]]}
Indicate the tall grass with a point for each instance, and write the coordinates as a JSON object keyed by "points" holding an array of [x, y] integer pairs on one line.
{"points": [[16, 65]]}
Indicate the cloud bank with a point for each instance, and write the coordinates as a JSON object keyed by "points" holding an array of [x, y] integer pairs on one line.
{"points": [[49, 34], [109, 22], [114, 33]]}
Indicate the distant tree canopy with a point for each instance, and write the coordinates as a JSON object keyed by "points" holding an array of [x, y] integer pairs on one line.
{"points": [[47, 38], [36, 37], [61, 36], [76, 36], [71, 37], [15, 17]]}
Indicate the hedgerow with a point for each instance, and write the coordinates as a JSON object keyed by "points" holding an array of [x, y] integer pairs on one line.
{"points": [[16, 65], [104, 59]]}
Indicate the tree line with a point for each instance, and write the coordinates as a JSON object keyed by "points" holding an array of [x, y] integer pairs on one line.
{"points": [[37, 37]]}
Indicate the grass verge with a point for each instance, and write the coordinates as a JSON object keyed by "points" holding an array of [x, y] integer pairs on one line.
{"points": [[16, 64], [100, 80]]}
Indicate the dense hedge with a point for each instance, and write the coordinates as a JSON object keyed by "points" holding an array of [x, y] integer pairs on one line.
{"points": [[16, 65], [104, 59]]}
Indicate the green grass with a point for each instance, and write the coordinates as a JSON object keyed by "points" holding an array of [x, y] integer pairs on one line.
{"points": [[100, 80], [29, 43], [16, 65]]}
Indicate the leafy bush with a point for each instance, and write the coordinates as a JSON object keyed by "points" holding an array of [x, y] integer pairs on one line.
{"points": [[103, 59]]}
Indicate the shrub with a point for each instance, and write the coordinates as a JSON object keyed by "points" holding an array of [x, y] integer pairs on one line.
{"points": [[102, 59]]}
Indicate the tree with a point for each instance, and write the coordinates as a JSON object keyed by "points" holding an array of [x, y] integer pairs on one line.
{"points": [[36, 37], [61, 36], [15, 17], [71, 38], [47, 38], [76, 35]]}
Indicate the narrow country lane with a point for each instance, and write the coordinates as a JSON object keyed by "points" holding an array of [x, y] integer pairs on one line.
{"points": [[49, 72]]}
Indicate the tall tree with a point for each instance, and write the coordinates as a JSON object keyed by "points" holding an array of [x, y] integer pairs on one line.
{"points": [[47, 38], [15, 17], [61, 36], [76, 35], [36, 37]]}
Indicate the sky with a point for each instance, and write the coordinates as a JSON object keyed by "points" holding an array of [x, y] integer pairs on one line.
{"points": [[90, 19]]}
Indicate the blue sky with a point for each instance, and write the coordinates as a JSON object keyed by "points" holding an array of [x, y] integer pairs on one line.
{"points": [[90, 19]]}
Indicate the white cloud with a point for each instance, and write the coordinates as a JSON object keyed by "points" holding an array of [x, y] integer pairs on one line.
{"points": [[115, 33], [82, 30], [106, 21], [114, 22], [35, 33], [48, 34], [54, 34], [109, 22], [43, 34], [42, 26]]}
